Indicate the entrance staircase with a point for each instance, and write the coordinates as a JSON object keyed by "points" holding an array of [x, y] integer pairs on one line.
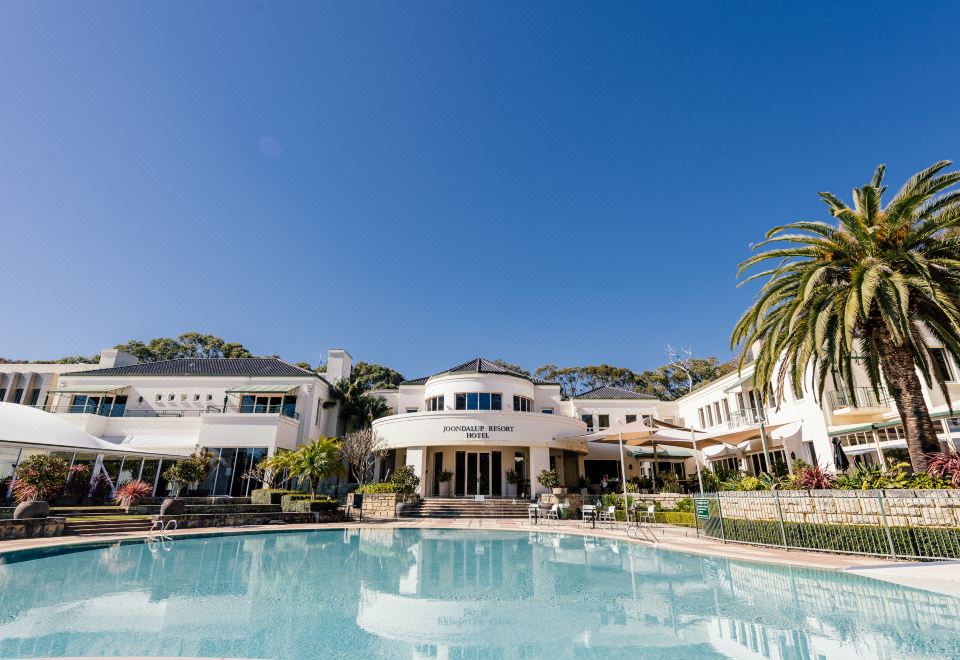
{"points": [[449, 507], [80, 527]]}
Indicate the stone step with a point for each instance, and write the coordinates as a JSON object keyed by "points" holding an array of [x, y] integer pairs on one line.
{"points": [[91, 527]]}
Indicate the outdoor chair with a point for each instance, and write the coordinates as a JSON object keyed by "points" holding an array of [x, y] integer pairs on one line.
{"points": [[588, 514], [608, 515], [553, 513], [533, 511], [646, 516]]}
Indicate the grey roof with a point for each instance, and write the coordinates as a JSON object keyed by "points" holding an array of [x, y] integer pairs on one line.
{"points": [[477, 366], [253, 367], [608, 392]]}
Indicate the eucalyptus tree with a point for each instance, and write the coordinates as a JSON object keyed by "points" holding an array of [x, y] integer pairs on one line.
{"points": [[869, 288]]}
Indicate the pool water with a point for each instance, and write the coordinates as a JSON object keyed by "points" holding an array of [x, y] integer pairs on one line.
{"points": [[454, 594]]}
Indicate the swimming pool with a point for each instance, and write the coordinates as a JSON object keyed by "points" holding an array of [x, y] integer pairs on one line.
{"points": [[456, 594]]}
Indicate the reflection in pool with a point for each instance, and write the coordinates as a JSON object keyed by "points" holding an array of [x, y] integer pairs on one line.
{"points": [[452, 594]]}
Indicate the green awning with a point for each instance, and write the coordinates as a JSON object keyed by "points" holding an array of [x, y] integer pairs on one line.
{"points": [[262, 389], [88, 389]]}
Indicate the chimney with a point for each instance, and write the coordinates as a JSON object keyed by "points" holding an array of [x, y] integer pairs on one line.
{"points": [[113, 357], [339, 364]]}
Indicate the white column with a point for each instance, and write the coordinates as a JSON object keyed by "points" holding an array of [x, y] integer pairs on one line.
{"points": [[539, 461], [417, 459]]}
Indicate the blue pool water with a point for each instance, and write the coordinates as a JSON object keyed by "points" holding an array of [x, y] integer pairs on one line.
{"points": [[391, 593]]}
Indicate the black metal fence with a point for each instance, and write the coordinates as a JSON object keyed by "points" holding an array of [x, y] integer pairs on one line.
{"points": [[901, 524]]}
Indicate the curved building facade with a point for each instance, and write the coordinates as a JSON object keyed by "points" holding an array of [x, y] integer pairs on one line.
{"points": [[480, 421]]}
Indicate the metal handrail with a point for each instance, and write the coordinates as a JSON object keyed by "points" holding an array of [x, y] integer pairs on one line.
{"points": [[859, 397], [744, 417], [119, 410]]}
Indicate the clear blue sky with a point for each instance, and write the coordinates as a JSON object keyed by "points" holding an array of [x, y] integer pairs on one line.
{"points": [[424, 182]]}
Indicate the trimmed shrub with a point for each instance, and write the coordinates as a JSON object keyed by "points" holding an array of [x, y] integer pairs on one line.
{"points": [[867, 539], [682, 518], [302, 503], [685, 505], [271, 495], [377, 488]]}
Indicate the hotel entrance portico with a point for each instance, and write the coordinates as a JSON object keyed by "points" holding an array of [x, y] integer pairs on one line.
{"points": [[481, 448]]}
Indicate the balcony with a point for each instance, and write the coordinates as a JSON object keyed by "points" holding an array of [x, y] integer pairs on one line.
{"points": [[120, 410], [745, 417], [858, 400]]}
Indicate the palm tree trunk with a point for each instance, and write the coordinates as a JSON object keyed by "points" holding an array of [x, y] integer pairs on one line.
{"points": [[900, 373]]}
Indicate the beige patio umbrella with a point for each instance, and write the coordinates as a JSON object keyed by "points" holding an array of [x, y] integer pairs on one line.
{"points": [[639, 434]]}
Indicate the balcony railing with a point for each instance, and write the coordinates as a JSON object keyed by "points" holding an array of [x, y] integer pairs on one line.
{"points": [[859, 397], [744, 417], [120, 410]]}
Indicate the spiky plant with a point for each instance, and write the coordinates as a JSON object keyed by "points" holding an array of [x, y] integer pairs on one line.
{"points": [[865, 290], [317, 460]]}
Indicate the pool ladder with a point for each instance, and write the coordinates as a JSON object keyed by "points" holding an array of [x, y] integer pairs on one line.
{"points": [[158, 534]]}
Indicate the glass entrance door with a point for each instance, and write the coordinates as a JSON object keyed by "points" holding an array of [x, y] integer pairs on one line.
{"points": [[478, 473]]}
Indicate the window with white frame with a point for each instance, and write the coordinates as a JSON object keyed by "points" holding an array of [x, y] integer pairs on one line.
{"points": [[411, 410], [158, 397], [171, 397], [731, 464], [603, 421], [716, 412], [434, 403], [588, 420], [478, 401], [547, 411], [703, 422], [941, 364], [522, 403]]}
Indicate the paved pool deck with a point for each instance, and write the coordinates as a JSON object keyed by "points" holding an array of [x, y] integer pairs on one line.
{"points": [[941, 577]]}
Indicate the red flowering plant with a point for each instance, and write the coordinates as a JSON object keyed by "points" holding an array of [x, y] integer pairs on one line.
{"points": [[78, 480], [40, 477], [813, 478], [130, 492], [946, 465]]}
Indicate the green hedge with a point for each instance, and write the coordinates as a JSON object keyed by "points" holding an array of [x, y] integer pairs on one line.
{"points": [[302, 503], [682, 518], [377, 488], [269, 495], [933, 542]]}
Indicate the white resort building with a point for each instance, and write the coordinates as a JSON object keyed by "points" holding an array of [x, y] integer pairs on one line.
{"points": [[479, 421], [242, 409]]}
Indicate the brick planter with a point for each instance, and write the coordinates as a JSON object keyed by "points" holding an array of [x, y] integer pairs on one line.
{"points": [[384, 505]]}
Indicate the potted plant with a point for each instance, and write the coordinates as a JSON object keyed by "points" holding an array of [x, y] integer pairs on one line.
{"points": [[444, 478], [513, 479], [38, 479], [130, 493], [180, 475], [549, 479]]}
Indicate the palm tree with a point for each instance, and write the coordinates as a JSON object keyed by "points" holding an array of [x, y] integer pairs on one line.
{"points": [[317, 460], [357, 408], [868, 290]]}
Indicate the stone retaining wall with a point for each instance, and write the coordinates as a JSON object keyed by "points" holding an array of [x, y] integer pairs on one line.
{"points": [[902, 508], [209, 508], [31, 528], [195, 521], [384, 505]]}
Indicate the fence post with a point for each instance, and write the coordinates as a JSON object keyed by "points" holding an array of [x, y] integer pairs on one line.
{"points": [[783, 532], [886, 525], [723, 535]]}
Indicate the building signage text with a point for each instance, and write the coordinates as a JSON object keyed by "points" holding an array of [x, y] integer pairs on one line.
{"points": [[478, 431]]}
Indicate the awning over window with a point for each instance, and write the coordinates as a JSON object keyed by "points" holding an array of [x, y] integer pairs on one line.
{"points": [[262, 389], [662, 452], [88, 389], [183, 445]]}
